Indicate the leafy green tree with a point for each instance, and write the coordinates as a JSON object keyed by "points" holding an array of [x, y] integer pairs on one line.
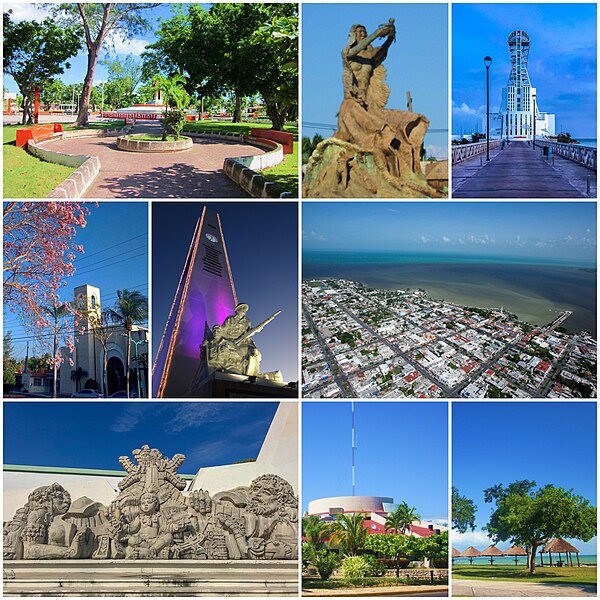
{"points": [[463, 512], [308, 146], [434, 547], [244, 48], [125, 76], [348, 532], [131, 308], [100, 22], [400, 520], [54, 92], [532, 516], [77, 375], [389, 544], [34, 53], [9, 363], [315, 532]]}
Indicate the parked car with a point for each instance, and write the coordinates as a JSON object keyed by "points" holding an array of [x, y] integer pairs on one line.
{"points": [[86, 393], [123, 394]]}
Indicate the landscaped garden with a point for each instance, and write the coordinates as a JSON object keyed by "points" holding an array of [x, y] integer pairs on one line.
{"points": [[572, 575], [343, 554]]}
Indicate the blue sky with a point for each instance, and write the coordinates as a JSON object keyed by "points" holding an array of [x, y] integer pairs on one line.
{"points": [[115, 242], [93, 435], [549, 443], [262, 246], [117, 49], [562, 61], [416, 62], [397, 442], [540, 230]]}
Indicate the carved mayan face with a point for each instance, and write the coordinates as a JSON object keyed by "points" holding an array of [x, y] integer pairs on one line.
{"points": [[270, 493], [149, 503], [53, 498], [61, 503]]}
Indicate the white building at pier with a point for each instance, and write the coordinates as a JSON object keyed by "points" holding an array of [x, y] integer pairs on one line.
{"points": [[519, 98]]}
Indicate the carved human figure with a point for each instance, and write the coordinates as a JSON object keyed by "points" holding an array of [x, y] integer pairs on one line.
{"points": [[232, 348], [360, 59], [39, 531]]}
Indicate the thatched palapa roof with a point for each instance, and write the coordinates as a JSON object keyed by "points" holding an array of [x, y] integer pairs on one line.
{"points": [[515, 551], [559, 545], [470, 552], [492, 551], [455, 553]]}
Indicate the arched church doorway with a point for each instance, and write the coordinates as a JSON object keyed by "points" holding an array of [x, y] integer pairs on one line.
{"points": [[115, 375]]}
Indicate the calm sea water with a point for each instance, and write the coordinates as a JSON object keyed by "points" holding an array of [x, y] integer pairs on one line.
{"points": [[589, 142], [537, 293], [584, 559]]}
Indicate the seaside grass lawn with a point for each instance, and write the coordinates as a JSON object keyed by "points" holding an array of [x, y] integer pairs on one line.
{"points": [[26, 176], [555, 575], [228, 127], [286, 172]]}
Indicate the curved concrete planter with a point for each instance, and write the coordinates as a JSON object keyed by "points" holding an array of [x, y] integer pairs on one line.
{"points": [[133, 145]]}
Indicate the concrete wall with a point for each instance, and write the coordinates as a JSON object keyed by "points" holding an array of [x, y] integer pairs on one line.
{"points": [[348, 504], [463, 151]]}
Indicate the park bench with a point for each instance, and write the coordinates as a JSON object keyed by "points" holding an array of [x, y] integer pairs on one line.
{"points": [[37, 133], [285, 139]]}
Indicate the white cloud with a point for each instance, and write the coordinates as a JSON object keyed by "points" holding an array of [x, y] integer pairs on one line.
{"points": [[445, 239], [440, 152], [424, 239], [477, 538], [116, 44], [130, 417], [314, 235], [193, 415], [461, 241], [26, 12]]}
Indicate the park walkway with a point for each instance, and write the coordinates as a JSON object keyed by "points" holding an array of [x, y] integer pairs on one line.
{"points": [[499, 589], [194, 173], [515, 172]]}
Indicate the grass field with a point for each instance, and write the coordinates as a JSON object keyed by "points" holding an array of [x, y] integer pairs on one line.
{"points": [[557, 575], [145, 137], [228, 127], [314, 583], [286, 172], [26, 176]]}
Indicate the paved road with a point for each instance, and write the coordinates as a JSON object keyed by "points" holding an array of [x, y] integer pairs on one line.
{"points": [[517, 172], [479, 588], [194, 173]]}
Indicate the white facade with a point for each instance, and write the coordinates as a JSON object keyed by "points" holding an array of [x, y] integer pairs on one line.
{"points": [[89, 354], [519, 98]]}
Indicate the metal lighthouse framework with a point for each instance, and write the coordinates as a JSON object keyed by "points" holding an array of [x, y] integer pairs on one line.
{"points": [[520, 116]]}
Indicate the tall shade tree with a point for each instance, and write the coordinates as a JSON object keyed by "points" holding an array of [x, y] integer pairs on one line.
{"points": [[9, 362], [400, 520], [34, 53], [532, 516], [394, 546], [348, 532], [100, 22], [131, 308], [39, 250], [244, 48], [463, 512]]}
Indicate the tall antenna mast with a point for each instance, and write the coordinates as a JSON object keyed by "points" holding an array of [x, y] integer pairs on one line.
{"points": [[353, 448]]}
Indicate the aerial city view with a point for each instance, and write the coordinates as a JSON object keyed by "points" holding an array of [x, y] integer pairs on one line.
{"points": [[449, 300]]}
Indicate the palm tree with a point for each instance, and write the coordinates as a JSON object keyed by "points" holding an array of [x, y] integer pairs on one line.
{"points": [[175, 98], [77, 375], [348, 532], [315, 532], [130, 308], [56, 313], [400, 520]]}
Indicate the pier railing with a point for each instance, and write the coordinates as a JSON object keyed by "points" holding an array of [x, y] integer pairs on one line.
{"points": [[463, 151], [584, 155]]}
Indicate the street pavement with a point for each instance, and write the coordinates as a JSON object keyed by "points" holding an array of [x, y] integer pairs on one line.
{"points": [[518, 171], [194, 173], [499, 589]]}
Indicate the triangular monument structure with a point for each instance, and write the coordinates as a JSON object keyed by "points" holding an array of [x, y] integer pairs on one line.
{"points": [[207, 348]]}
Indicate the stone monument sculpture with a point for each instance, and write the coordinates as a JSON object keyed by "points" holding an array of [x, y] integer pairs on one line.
{"points": [[230, 347], [151, 518], [375, 152]]}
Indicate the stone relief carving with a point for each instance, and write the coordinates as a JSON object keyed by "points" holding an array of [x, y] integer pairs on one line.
{"points": [[375, 151], [230, 346], [151, 518]]}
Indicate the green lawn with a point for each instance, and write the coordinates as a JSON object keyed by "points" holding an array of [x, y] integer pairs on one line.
{"points": [[228, 127], [575, 575], [286, 172], [26, 176], [315, 583], [146, 137]]}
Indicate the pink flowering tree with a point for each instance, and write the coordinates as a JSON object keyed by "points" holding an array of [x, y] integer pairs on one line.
{"points": [[39, 250]]}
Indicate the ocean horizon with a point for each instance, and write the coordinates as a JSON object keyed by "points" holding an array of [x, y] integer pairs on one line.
{"points": [[536, 290], [584, 559]]}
